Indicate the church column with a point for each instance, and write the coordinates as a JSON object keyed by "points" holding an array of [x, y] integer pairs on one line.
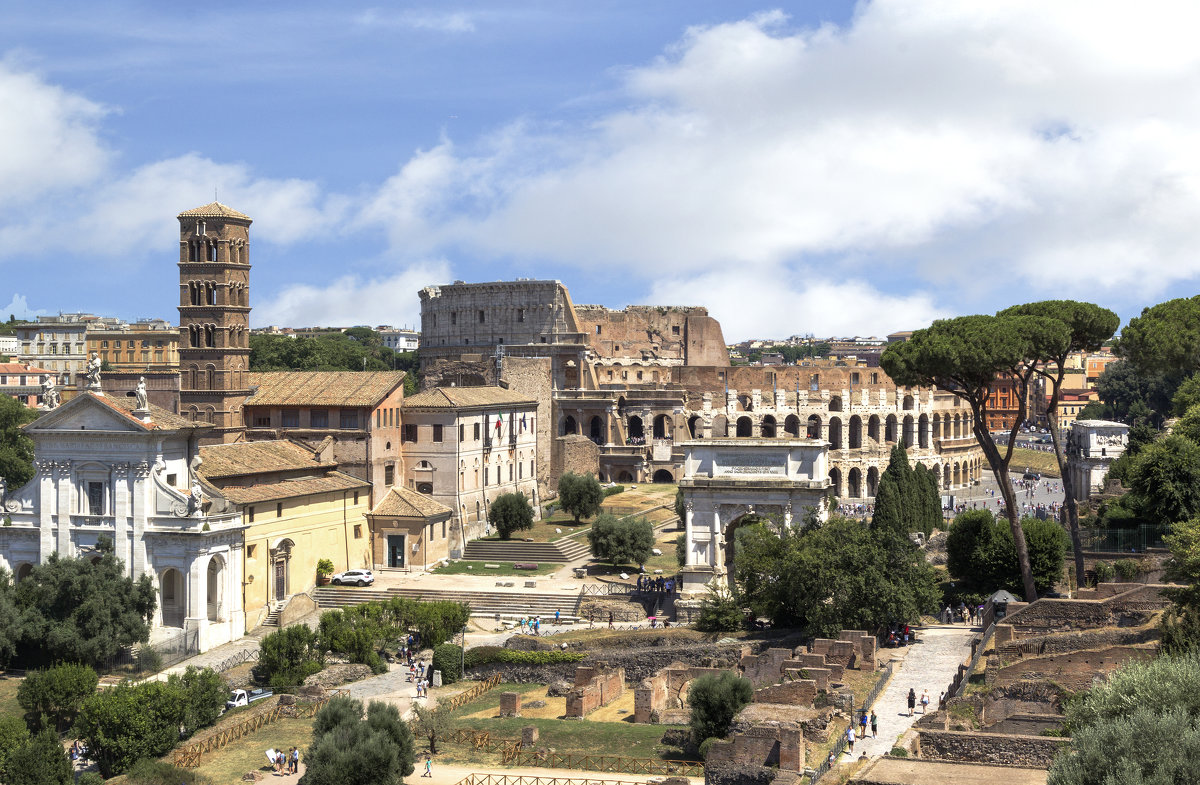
{"points": [[46, 512], [716, 556], [64, 482], [141, 475], [121, 514]]}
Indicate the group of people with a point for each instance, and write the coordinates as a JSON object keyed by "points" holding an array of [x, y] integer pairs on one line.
{"points": [[899, 635], [912, 701], [655, 584], [533, 626], [418, 673], [856, 510], [285, 763], [963, 614], [851, 736]]}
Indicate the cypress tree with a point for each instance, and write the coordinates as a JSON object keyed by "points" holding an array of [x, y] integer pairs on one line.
{"points": [[897, 500]]}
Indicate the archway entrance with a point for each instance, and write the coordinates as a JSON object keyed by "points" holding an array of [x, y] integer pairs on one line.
{"points": [[215, 594], [596, 430], [662, 427], [694, 426], [744, 428], [569, 426], [768, 427], [281, 557], [636, 431], [663, 475], [171, 598]]}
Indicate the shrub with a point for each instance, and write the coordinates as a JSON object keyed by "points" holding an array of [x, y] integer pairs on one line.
{"points": [[325, 567], [1127, 569], [484, 655], [149, 660], [1105, 572], [580, 495], [348, 749], [613, 490], [898, 752], [705, 745], [55, 694], [89, 778], [621, 541], [14, 734], [289, 656], [129, 722], [447, 658], [720, 611], [510, 512], [715, 700], [204, 693], [41, 761]]}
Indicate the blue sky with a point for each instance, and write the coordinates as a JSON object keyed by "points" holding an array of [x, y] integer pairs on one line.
{"points": [[801, 167]]}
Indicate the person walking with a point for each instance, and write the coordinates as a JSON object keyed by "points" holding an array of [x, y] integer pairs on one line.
{"points": [[295, 761], [557, 617], [428, 767], [912, 700], [874, 724], [850, 739], [862, 725], [610, 620], [924, 701]]}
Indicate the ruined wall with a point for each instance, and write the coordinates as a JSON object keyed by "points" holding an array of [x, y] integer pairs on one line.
{"points": [[800, 692], [666, 691], [595, 686], [481, 314], [994, 748], [577, 454], [1075, 670], [531, 376], [667, 334], [774, 744], [1132, 607]]}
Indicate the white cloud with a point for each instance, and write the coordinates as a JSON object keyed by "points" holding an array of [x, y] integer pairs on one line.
{"points": [[48, 139], [767, 303], [351, 300], [1056, 146], [452, 22], [18, 306]]}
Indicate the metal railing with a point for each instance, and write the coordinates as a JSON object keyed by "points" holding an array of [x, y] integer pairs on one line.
{"points": [[511, 752], [840, 745], [172, 650], [1137, 539], [231, 662], [516, 779]]}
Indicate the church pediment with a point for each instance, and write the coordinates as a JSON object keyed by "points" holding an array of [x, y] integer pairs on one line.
{"points": [[86, 412]]}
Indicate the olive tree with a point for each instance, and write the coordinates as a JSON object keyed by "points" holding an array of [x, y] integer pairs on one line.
{"points": [[1090, 327], [966, 356]]}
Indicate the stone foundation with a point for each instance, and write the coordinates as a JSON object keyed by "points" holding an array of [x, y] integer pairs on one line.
{"points": [[510, 704], [594, 687]]}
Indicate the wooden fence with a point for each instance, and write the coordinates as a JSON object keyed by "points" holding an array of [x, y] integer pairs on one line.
{"points": [[463, 698], [188, 757], [516, 779]]}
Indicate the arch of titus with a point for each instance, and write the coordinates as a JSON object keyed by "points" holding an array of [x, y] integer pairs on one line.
{"points": [[726, 480]]}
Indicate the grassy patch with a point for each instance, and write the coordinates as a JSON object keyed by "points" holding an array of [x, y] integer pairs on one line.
{"points": [[1044, 463], [579, 737], [506, 568], [246, 754], [602, 638], [8, 697]]}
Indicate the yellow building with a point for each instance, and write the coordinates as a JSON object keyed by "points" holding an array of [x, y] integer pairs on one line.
{"points": [[297, 508], [150, 345]]}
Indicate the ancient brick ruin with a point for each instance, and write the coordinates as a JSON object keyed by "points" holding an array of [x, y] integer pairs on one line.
{"points": [[595, 686]]}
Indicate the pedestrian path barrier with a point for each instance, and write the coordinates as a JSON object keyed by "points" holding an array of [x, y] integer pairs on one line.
{"points": [[463, 698], [840, 745], [512, 753], [512, 779]]}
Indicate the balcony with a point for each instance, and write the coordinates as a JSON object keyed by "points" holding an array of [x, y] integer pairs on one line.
{"points": [[94, 521]]}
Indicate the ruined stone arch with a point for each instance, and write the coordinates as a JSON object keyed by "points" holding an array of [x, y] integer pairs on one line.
{"points": [[835, 481], [854, 488], [814, 427], [768, 427], [745, 428], [662, 427], [693, 425], [855, 432], [835, 403], [923, 431], [873, 428], [663, 475], [872, 480], [635, 429], [835, 433], [791, 426], [596, 430], [910, 429], [569, 426], [889, 431]]}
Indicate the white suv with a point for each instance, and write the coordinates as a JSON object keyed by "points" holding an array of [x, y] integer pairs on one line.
{"points": [[357, 577]]}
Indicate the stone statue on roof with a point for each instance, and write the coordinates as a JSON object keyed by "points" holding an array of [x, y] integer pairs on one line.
{"points": [[49, 393], [93, 372], [139, 394]]}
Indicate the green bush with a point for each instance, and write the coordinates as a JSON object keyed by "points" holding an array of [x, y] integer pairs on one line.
{"points": [[1105, 572], [14, 734], [129, 722], [898, 752], [289, 656], [484, 655], [621, 540], [41, 761], [56, 694], [715, 701], [204, 693], [89, 778], [149, 660], [447, 658], [705, 745], [720, 611], [613, 490], [1127, 569], [348, 749]]}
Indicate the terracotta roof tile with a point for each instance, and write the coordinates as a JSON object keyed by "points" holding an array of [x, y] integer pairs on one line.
{"points": [[19, 368], [401, 502], [214, 210], [465, 398], [328, 482], [233, 460], [322, 388]]}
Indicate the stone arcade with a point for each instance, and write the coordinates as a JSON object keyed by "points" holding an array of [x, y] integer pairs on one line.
{"points": [[726, 480]]}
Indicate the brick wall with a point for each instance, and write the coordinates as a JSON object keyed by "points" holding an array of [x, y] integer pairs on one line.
{"points": [[531, 376], [594, 687], [577, 454], [994, 748], [761, 745], [801, 692], [1073, 670]]}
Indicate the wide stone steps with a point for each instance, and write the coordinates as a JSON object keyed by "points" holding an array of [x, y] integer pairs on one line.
{"points": [[559, 552]]}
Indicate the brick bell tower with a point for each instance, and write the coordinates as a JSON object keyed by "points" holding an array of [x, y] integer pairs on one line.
{"points": [[214, 319]]}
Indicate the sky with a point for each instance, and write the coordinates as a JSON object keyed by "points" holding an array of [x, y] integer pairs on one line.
{"points": [[810, 167]]}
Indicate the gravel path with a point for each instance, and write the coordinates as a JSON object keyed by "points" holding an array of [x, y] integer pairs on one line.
{"points": [[929, 665]]}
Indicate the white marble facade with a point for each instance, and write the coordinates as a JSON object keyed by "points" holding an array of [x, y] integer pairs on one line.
{"points": [[103, 469], [1092, 446], [725, 480]]}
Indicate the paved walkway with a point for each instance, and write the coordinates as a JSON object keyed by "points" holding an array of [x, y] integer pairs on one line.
{"points": [[929, 665]]}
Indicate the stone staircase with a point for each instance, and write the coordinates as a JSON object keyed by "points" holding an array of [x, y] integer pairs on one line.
{"points": [[272, 619], [505, 602], [567, 549]]}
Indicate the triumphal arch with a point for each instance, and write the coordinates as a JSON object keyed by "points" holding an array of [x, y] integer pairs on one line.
{"points": [[725, 481]]}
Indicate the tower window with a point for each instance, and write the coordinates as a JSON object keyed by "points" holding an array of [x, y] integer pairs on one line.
{"points": [[200, 228], [481, 317], [453, 317], [520, 314]]}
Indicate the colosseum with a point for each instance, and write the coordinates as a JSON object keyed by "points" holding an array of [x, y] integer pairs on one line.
{"points": [[626, 388]]}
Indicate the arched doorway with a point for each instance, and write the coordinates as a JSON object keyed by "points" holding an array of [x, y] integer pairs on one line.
{"points": [[662, 427], [744, 428], [216, 591], [23, 571], [889, 430], [855, 432], [663, 475], [281, 557], [624, 477], [908, 402], [855, 488], [694, 426], [872, 481], [636, 431], [768, 427], [835, 433], [171, 598], [873, 428], [596, 430], [720, 428], [835, 481], [814, 427], [835, 403], [791, 426], [923, 430], [569, 426], [910, 431]]}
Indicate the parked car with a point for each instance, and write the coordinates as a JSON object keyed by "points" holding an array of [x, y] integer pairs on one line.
{"points": [[1032, 475], [356, 577], [245, 698]]}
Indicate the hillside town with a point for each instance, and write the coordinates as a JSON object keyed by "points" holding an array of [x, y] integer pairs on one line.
{"points": [[280, 504]]}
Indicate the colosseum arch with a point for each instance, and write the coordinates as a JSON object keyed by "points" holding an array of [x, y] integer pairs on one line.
{"points": [[791, 426], [745, 427], [835, 481], [662, 427], [693, 425], [873, 428], [720, 427], [768, 427], [872, 480], [889, 431], [835, 433], [814, 427], [569, 426], [596, 429], [910, 429], [835, 403], [923, 431], [854, 489], [855, 434], [636, 430]]}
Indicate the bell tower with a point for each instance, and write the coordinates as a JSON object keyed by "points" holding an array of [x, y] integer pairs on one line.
{"points": [[214, 318]]}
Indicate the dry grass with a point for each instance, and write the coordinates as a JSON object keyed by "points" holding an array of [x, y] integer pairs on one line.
{"points": [[247, 753], [8, 696]]}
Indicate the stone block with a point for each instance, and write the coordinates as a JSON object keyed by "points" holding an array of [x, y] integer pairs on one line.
{"points": [[529, 736], [510, 704], [437, 678]]}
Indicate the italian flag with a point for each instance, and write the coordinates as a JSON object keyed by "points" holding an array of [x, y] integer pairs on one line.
{"points": [[499, 421]]}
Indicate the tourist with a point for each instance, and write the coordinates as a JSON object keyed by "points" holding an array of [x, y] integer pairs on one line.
{"points": [[295, 761], [874, 724], [862, 725], [924, 701], [850, 739], [912, 701], [428, 767], [610, 620], [557, 617]]}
